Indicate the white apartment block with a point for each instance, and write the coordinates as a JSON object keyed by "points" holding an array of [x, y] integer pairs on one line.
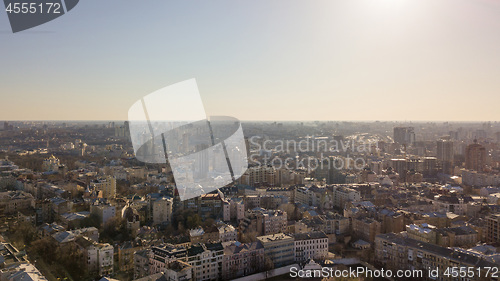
{"points": [[279, 248], [206, 260], [302, 195], [312, 245], [275, 222], [159, 257], [344, 194], [104, 211], [234, 209]]}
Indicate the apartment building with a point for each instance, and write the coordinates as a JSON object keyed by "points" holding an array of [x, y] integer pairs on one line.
{"points": [[227, 233], [206, 205], [280, 248], [446, 237], [425, 232], [206, 260], [12, 202], [307, 195], [476, 179], [104, 211], [344, 194], [221, 233], [234, 209], [141, 263], [105, 186], [312, 245], [475, 157], [97, 257], [126, 255], [178, 271], [265, 222], [393, 251], [366, 228], [260, 175], [161, 209], [21, 271], [453, 204], [241, 259], [211, 204], [160, 256], [330, 224], [493, 228], [201, 235], [404, 135]]}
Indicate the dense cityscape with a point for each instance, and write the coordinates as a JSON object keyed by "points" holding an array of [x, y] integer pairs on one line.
{"points": [[76, 204]]}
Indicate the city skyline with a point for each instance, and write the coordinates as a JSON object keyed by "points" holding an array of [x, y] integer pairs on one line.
{"points": [[312, 193]]}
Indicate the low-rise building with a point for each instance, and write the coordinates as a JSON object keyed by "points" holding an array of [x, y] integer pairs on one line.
{"points": [[204, 235], [67, 236], [12, 202], [179, 271], [73, 220], [227, 233], [21, 271]]}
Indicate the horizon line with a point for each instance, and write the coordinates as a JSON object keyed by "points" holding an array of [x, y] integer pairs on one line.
{"points": [[339, 120]]}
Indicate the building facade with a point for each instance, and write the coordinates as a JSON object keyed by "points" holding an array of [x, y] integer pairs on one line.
{"points": [[280, 248], [312, 245]]}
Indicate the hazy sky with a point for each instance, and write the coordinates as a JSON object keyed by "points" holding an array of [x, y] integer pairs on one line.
{"points": [[260, 60]]}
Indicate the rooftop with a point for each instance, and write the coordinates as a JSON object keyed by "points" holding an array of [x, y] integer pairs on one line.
{"points": [[310, 235], [273, 237], [460, 257]]}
